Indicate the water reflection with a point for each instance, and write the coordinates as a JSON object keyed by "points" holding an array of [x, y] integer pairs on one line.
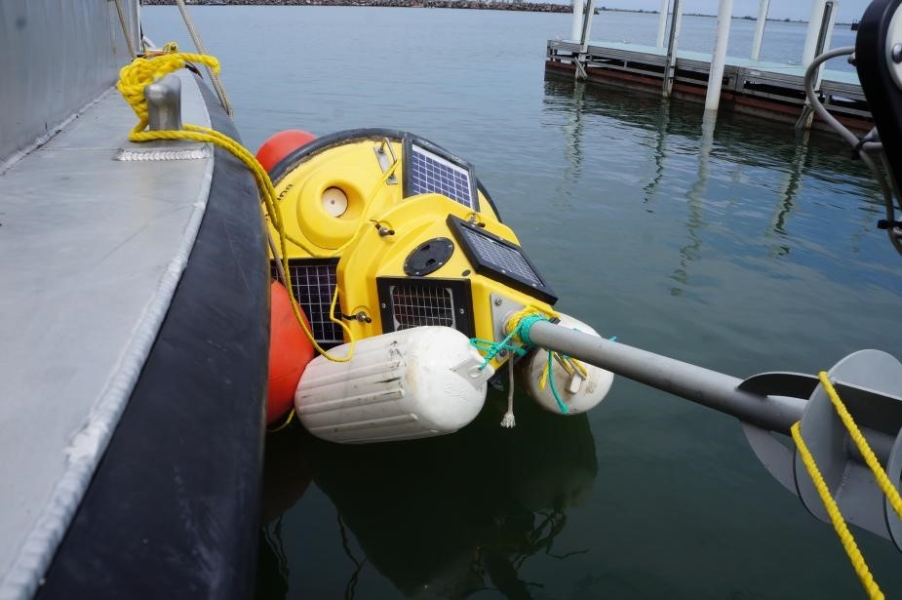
{"points": [[788, 193], [573, 153], [449, 516], [659, 156], [745, 175], [286, 477], [695, 221]]}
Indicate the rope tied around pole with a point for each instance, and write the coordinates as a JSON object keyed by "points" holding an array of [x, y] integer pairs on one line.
{"points": [[518, 327], [520, 324]]}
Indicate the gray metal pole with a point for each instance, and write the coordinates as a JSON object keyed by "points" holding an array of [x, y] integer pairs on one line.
{"points": [[703, 386], [763, 7], [719, 55], [809, 51], [590, 17], [673, 42], [820, 31], [581, 60], [577, 27], [662, 23]]}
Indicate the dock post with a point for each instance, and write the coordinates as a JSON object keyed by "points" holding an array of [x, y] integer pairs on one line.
{"points": [[820, 29], [763, 8], [577, 28], [672, 43], [817, 40], [719, 56], [590, 16], [662, 22], [581, 73]]}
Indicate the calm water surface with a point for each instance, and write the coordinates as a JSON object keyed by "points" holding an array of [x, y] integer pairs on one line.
{"points": [[743, 250]]}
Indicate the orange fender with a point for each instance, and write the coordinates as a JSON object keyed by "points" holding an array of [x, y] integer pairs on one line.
{"points": [[279, 145], [289, 352]]}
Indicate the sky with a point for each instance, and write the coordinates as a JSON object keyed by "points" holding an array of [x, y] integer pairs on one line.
{"points": [[848, 10]]}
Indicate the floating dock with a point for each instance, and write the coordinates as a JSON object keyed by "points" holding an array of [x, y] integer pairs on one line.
{"points": [[769, 89]]}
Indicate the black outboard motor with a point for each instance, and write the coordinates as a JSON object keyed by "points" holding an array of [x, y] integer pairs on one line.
{"points": [[878, 59]]}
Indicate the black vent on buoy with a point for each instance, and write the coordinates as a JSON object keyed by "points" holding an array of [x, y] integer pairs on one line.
{"points": [[429, 256], [407, 302], [313, 282]]}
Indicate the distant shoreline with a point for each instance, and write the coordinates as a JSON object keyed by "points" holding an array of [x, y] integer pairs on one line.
{"points": [[546, 7], [512, 5]]}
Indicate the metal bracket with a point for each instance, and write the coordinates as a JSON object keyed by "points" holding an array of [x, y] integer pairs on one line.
{"points": [[384, 161], [502, 310], [469, 370]]}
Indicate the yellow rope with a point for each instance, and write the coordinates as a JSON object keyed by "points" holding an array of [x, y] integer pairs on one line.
{"points": [[284, 424], [513, 324], [133, 78], [530, 310], [823, 491], [839, 524], [882, 480]]}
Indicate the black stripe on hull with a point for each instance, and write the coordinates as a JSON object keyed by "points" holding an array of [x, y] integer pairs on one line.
{"points": [[173, 509]]}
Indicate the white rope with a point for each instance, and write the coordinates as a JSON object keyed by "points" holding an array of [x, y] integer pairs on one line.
{"points": [[214, 78], [508, 421], [128, 35]]}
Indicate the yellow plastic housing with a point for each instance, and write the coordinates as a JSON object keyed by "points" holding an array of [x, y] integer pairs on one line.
{"points": [[358, 233]]}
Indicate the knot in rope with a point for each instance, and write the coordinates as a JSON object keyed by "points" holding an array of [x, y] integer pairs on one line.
{"points": [[492, 349], [517, 328], [141, 72], [524, 324]]}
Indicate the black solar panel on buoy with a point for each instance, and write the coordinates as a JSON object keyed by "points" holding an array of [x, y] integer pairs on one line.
{"points": [[500, 259], [427, 171]]}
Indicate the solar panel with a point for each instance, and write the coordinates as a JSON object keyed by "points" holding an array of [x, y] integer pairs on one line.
{"points": [[499, 259], [509, 261], [426, 172]]}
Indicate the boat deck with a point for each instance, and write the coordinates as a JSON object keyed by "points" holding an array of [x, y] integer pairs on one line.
{"points": [[94, 249]]}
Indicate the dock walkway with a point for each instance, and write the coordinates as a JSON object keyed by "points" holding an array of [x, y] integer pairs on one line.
{"points": [[771, 89]]}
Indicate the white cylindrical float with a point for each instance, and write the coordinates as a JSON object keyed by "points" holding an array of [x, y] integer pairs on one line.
{"points": [[409, 384], [578, 393]]}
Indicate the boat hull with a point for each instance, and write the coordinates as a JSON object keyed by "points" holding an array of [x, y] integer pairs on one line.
{"points": [[174, 503]]}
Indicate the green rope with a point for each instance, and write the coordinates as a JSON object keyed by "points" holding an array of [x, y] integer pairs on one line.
{"points": [[492, 349], [524, 326], [557, 397]]}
